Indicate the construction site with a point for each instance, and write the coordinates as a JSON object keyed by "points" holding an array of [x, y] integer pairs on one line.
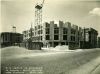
{"points": [[51, 34], [48, 47]]}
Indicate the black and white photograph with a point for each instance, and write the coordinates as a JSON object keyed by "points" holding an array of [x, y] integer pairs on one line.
{"points": [[50, 36]]}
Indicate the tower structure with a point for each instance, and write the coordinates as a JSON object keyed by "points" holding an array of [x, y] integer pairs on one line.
{"points": [[13, 29], [38, 20], [38, 14]]}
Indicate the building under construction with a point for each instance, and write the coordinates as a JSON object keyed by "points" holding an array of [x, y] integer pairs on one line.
{"points": [[53, 34]]}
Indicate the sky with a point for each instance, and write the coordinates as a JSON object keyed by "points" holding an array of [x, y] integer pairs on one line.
{"points": [[20, 13]]}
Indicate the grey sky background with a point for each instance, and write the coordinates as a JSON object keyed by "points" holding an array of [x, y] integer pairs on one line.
{"points": [[20, 13]]}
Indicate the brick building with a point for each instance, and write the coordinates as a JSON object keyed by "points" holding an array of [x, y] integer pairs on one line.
{"points": [[9, 39]]}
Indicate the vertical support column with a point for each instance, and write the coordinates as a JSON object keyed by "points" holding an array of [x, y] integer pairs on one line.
{"points": [[60, 31]]}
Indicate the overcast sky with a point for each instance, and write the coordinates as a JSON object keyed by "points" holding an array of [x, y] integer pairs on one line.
{"points": [[20, 13]]}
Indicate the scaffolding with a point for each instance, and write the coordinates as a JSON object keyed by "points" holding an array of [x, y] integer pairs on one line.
{"points": [[38, 19], [38, 14]]}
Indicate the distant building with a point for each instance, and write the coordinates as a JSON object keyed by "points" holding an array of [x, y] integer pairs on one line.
{"points": [[9, 39], [98, 42], [89, 38], [53, 34]]}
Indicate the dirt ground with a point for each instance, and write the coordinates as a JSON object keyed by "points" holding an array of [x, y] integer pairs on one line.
{"points": [[17, 60]]}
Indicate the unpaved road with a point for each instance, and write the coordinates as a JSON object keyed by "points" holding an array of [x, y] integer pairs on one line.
{"points": [[65, 62]]}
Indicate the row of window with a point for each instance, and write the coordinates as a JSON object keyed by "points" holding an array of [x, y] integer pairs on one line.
{"points": [[56, 37], [56, 31]]}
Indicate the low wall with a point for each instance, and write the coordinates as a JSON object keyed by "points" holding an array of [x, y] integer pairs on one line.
{"points": [[32, 45]]}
